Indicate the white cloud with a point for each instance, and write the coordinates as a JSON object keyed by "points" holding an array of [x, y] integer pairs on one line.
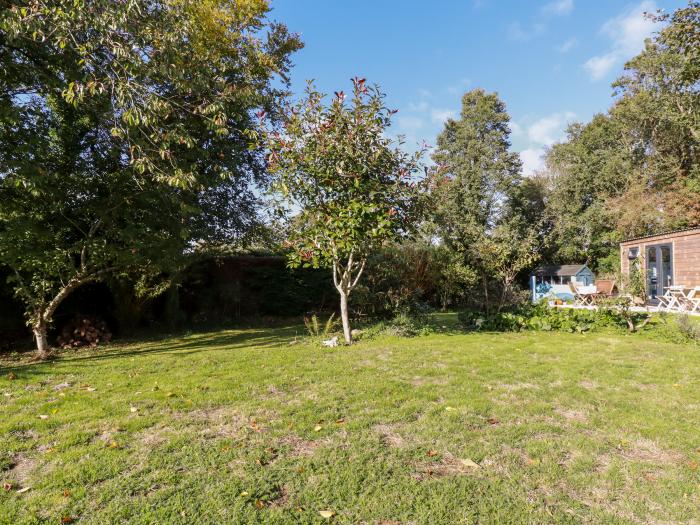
{"points": [[567, 46], [558, 7], [418, 106], [627, 33], [458, 89], [441, 115], [409, 123], [600, 66], [515, 129], [533, 160], [550, 129]]}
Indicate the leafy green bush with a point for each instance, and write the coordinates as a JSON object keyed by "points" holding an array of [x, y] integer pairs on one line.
{"points": [[545, 318], [408, 324], [689, 330]]}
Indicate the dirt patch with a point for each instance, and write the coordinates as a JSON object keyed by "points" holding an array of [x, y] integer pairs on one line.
{"points": [[155, 435], [282, 499], [221, 422], [422, 381], [299, 447], [21, 469], [389, 435], [570, 414], [448, 465], [588, 384], [650, 451], [517, 386]]}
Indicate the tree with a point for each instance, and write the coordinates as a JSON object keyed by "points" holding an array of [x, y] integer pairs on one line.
{"points": [[596, 163], [481, 175], [351, 186], [659, 106], [127, 136], [636, 169]]}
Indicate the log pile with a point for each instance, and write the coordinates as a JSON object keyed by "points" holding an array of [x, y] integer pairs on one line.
{"points": [[84, 330]]}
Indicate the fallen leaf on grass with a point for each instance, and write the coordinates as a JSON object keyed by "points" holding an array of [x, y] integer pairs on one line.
{"points": [[133, 409], [469, 463], [67, 519], [328, 514], [493, 421], [340, 421], [43, 416], [245, 493], [431, 453], [693, 465], [318, 428], [260, 504], [66, 493], [25, 489]]}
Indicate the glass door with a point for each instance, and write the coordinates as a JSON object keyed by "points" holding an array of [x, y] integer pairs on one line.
{"points": [[659, 269]]}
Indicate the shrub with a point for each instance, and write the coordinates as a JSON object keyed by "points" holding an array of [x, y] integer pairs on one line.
{"points": [[314, 328], [406, 324], [545, 318], [688, 330]]}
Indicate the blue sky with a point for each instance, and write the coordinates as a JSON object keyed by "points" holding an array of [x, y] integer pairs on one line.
{"points": [[551, 61]]}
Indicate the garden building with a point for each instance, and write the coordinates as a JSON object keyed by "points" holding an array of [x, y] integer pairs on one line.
{"points": [[553, 280], [667, 259]]}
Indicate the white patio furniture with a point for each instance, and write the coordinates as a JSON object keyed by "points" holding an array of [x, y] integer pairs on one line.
{"points": [[583, 295], [691, 300], [677, 297]]}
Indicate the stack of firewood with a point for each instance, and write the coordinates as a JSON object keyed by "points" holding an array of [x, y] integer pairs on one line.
{"points": [[84, 330]]}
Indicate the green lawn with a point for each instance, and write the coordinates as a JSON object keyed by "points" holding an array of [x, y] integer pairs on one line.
{"points": [[248, 426]]}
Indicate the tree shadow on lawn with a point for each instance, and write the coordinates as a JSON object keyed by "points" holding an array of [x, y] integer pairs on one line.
{"points": [[185, 344]]}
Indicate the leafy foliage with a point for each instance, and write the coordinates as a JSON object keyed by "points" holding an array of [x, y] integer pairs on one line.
{"points": [[127, 133], [544, 318], [635, 170], [352, 188], [482, 209], [314, 328]]}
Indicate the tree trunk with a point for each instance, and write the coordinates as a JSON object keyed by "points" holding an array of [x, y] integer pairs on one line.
{"points": [[41, 337], [345, 317], [486, 293]]}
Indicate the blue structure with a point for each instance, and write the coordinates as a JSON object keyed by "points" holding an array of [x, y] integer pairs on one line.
{"points": [[552, 281]]}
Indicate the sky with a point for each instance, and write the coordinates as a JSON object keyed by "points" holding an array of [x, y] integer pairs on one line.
{"points": [[551, 61]]}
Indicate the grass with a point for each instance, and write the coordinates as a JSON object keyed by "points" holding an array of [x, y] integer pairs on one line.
{"points": [[248, 426]]}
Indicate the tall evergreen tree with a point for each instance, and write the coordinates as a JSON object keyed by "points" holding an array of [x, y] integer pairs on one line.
{"points": [[473, 214]]}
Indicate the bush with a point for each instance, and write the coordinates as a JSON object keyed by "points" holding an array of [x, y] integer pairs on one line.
{"points": [[688, 330], [314, 328], [545, 318], [408, 324]]}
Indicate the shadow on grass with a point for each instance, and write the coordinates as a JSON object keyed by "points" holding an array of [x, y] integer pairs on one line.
{"points": [[176, 345]]}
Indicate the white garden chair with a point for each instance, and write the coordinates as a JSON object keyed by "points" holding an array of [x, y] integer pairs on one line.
{"points": [[580, 298], [691, 301]]}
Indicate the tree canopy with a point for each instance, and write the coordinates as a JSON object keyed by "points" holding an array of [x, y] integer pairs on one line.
{"points": [[128, 132], [350, 187]]}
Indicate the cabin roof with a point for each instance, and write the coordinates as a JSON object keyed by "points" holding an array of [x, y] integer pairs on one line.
{"points": [[661, 234], [560, 270]]}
